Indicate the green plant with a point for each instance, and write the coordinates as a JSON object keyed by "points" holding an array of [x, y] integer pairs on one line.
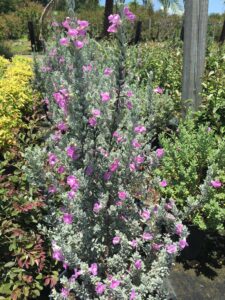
{"points": [[189, 155]]}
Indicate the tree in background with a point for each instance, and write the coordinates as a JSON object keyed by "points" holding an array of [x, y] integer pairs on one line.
{"points": [[107, 13]]}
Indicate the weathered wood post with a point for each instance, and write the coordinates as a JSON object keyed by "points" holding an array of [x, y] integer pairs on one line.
{"points": [[195, 32], [32, 35]]}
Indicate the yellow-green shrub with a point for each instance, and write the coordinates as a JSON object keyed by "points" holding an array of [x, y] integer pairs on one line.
{"points": [[16, 97]]}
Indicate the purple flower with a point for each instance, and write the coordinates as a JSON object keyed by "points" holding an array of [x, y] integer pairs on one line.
{"points": [[129, 105], [114, 166], [52, 189], [89, 170], [172, 248], [158, 90], [96, 112], [97, 207], [105, 96], [183, 243], [57, 255], [122, 195], [156, 246], [64, 42], [133, 243], [92, 121], [139, 159], [216, 184], [160, 152], [62, 126], [138, 264], [130, 94], [147, 236], [107, 175], [87, 68], [145, 214], [116, 240], [94, 269], [100, 288], [139, 129], [61, 169], [83, 23], [73, 182], [132, 167], [71, 195], [65, 293], [52, 159], [114, 283], [68, 218], [132, 295], [71, 152], [163, 183], [129, 15], [61, 98], [79, 44], [136, 144], [108, 71], [66, 23], [72, 32], [75, 275], [179, 229], [115, 22]]}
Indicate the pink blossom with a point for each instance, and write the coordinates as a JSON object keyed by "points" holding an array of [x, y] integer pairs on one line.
{"points": [[55, 24], [133, 243], [61, 98], [72, 32], [132, 295], [94, 269], [136, 144], [113, 28], [114, 166], [62, 126], [87, 68], [145, 214], [61, 60], [147, 236], [57, 255], [130, 94], [100, 288], [105, 96], [179, 228], [183, 243], [57, 136], [52, 159], [79, 44], [129, 15], [71, 152], [216, 184], [168, 206], [115, 19], [108, 71], [96, 112], [52, 189], [138, 264], [156, 246], [71, 194], [132, 167], [158, 90], [65, 293], [107, 175], [122, 195], [68, 218], [61, 169], [64, 42], [115, 283], [172, 248], [160, 152], [129, 105], [97, 207], [73, 182], [116, 240], [119, 203], [92, 121], [66, 23], [65, 265], [75, 275], [163, 183], [82, 23], [139, 159], [139, 129]]}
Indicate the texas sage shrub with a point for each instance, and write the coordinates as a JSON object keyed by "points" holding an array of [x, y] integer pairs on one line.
{"points": [[95, 167]]}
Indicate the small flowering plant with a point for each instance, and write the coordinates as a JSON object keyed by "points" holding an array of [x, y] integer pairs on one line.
{"points": [[112, 246]]}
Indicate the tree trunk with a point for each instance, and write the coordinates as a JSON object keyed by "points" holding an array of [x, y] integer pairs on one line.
{"points": [[222, 36], [108, 11], [195, 31]]}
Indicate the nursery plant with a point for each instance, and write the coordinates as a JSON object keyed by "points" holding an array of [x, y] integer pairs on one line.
{"points": [[115, 238]]}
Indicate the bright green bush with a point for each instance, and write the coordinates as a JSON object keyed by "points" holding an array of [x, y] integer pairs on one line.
{"points": [[189, 155]]}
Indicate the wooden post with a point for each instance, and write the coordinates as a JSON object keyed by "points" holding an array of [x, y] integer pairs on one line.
{"points": [[32, 35], [195, 32], [137, 38]]}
